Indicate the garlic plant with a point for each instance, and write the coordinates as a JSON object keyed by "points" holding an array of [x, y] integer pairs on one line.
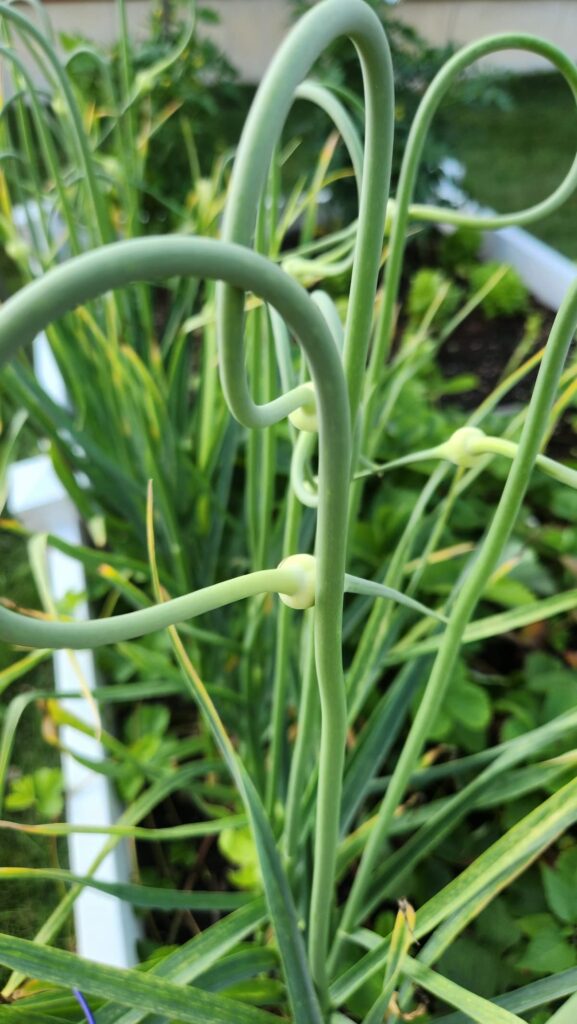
{"points": [[336, 412]]}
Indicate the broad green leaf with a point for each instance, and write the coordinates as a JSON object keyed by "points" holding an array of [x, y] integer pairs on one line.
{"points": [[478, 1009], [130, 988], [238, 847], [41, 790], [508, 593], [559, 884], [549, 949], [468, 704], [469, 962], [546, 952], [497, 927]]}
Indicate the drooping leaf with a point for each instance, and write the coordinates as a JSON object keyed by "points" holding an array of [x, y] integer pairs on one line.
{"points": [[478, 1009], [130, 988]]}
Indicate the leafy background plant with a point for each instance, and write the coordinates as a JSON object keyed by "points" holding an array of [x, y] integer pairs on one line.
{"points": [[168, 394]]}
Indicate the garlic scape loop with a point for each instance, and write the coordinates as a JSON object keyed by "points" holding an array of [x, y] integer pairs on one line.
{"points": [[151, 259], [303, 483], [467, 446], [479, 444]]}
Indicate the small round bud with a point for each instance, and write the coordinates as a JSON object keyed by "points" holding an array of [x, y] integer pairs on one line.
{"points": [[305, 568], [460, 448], [305, 417]]}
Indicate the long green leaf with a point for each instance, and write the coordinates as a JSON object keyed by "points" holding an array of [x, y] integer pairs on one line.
{"points": [[171, 832], [492, 625], [20, 668], [302, 996], [142, 806], [23, 1015], [376, 740], [479, 1010], [443, 819], [12, 716], [239, 966], [6, 449], [530, 997], [566, 1014], [137, 895], [130, 988], [401, 939], [496, 867], [196, 958]]}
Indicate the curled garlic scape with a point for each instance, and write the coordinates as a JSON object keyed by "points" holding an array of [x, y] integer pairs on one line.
{"points": [[305, 417], [466, 448]]}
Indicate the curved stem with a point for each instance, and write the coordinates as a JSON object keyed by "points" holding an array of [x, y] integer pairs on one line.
{"points": [[320, 27], [9, 55], [413, 152], [16, 628], [155, 258], [306, 492], [88, 276], [501, 446], [326, 100], [404, 460]]}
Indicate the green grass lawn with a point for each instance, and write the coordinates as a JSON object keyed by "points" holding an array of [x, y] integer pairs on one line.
{"points": [[516, 157]]}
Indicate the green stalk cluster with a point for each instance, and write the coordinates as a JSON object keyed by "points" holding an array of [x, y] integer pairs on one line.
{"points": [[339, 403]]}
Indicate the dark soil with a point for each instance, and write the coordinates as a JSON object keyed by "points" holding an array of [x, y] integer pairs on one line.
{"points": [[482, 347]]}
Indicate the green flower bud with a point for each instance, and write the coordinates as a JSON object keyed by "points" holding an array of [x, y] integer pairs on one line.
{"points": [[461, 448], [306, 568], [305, 417]]}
